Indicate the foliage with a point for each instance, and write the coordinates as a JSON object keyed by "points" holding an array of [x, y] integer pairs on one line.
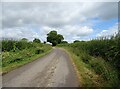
{"points": [[37, 40], [54, 38], [64, 42], [76, 41], [99, 56], [16, 53], [12, 45], [38, 51], [24, 39], [93, 71], [7, 45], [107, 48]]}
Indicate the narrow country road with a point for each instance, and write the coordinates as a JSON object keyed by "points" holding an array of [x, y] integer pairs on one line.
{"points": [[52, 70]]}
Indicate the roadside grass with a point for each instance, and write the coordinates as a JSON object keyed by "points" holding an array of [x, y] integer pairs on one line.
{"points": [[93, 71], [12, 60]]}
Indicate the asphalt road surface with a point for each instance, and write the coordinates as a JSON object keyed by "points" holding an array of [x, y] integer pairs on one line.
{"points": [[52, 70]]}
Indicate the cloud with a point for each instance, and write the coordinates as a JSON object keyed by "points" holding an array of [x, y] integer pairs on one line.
{"points": [[77, 30], [55, 14], [59, 1], [18, 33], [72, 20], [108, 32], [71, 32], [102, 10]]}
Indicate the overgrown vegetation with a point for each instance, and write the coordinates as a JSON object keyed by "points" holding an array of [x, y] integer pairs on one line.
{"points": [[17, 53], [98, 61]]}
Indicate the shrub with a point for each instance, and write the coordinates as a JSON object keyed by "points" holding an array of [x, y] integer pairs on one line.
{"points": [[21, 45], [38, 51], [85, 57], [7, 45], [107, 48], [16, 60], [37, 40]]}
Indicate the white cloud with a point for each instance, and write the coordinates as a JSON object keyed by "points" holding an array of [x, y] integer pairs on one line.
{"points": [[70, 32], [77, 30], [55, 14], [18, 33], [109, 32], [22, 19]]}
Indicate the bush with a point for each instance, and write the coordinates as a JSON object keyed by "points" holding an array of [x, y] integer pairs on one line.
{"points": [[105, 70], [11, 45], [101, 56], [38, 51], [16, 60], [37, 40], [107, 48], [7, 45], [85, 57]]}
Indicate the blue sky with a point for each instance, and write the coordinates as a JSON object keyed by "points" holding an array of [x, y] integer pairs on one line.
{"points": [[75, 21], [105, 24]]}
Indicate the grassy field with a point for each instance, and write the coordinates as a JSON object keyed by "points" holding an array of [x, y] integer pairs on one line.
{"points": [[15, 58]]}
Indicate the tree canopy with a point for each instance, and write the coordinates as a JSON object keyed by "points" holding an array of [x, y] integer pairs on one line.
{"points": [[37, 40], [24, 39], [54, 38], [64, 42], [76, 41]]}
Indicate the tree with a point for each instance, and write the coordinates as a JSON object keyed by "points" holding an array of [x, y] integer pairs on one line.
{"points": [[24, 39], [64, 42], [54, 38], [76, 41], [37, 40], [60, 38]]}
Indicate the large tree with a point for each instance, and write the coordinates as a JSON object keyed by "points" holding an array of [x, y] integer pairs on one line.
{"points": [[54, 38]]}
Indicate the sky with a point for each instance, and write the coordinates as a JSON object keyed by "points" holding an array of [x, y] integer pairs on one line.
{"points": [[74, 20]]}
